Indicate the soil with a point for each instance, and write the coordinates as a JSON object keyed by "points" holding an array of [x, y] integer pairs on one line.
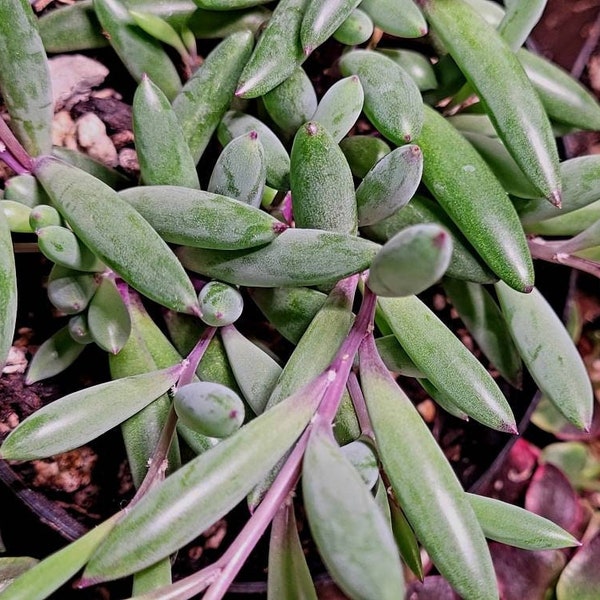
{"points": [[46, 503]]}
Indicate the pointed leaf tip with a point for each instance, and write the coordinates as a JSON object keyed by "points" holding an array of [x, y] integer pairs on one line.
{"points": [[556, 199]]}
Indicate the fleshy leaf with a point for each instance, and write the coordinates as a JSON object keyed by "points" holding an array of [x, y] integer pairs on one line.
{"points": [[580, 578], [8, 292]]}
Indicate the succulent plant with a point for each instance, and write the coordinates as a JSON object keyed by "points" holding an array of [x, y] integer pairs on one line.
{"points": [[332, 231]]}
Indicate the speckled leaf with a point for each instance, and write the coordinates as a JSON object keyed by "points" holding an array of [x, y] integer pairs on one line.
{"points": [[356, 29], [416, 65], [395, 357], [25, 77], [207, 95], [255, 371], [197, 218], [8, 292], [26, 190], [363, 152], [352, 536], [108, 318], [16, 216], [389, 185], [486, 323], [58, 352], [117, 234], [400, 18], [445, 524], [202, 491], [140, 53], [446, 362], [321, 182], [70, 291], [392, 100], [322, 19], [549, 353], [362, 458], [162, 152], [292, 102], [297, 257], [241, 170], [519, 20], [410, 262], [340, 107], [61, 246], [277, 160], [82, 416]]}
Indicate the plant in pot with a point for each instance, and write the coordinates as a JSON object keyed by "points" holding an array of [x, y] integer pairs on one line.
{"points": [[333, 230]]}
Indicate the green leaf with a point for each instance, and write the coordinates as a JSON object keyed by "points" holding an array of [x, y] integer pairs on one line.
{"points": [[389, 185], [518, 527], [288, 574], [202, 491], [443, 400], [416, 65], [61, 246], [400, 18], [445, 523], [77, 418], [26, 190], [57, 353], [446, 362], [207, 95], [486, 323], [235, 123], [140, 53], [548, 353], [211, 24], [356, 29], [292, 102], [255, 371], [16, 216], [79, 329], [241, 170], [108, 317], [228, 4], [159, 29], [410, 262], [44, 215], [395, 357], [162, 151], [25, 77], [361, 457], [12, 567], [392, 100], [117, 234], [405, 540], [579, 579], [321, 182], [297, 257], [363, 152], [277, 53], [350, 531], [195, 218], [519, 20], [8, 292], [70, 291], [340, 107]]}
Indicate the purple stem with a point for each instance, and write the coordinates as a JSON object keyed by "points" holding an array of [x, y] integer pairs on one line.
{"points": [[539, 249], [195, 356], [14, 148], [360, 406], [16, 166]]}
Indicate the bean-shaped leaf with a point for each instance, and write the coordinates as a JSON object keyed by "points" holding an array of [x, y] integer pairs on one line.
{"points": [[389, 185], [162, 151], [70, 291], [203, 490], [207, 95], [519, 20], [48, 575], [117, 234], [57, 353], [108, 317], [322, 19], [400, 18], [486, 323], [392, 100], [236, 123], [469, 192], [277, 53], [25, 77], [8, 292], [416, 65], [340, 107], [465, 263], [518, 527], [502, 164], [356, 29], [77, 418], [196, 218], [548, 353], [350, 531], [413, 260], [63, 247], [16, 216], [363, 152], [42, 216], [516, 111], [26, 190], [297, 257], [241, 170], [445, 524], [79, 329], [321, 182], [446, 362], [141, 54], [289, 309], [288, 574], [292, 102], [565, 99], [255, 371]]}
